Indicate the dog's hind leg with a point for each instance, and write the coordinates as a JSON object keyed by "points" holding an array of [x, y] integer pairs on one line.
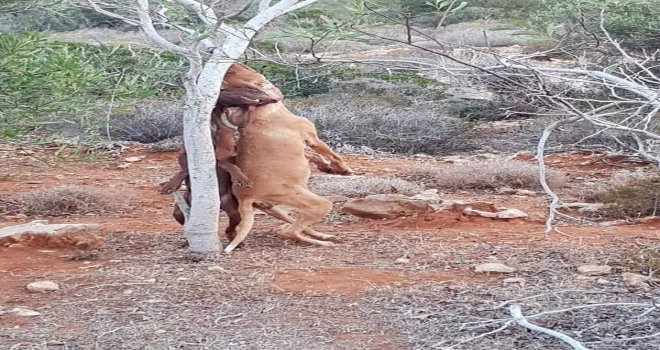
{"points": [[278, 213], [246, 212], [311, 208]]}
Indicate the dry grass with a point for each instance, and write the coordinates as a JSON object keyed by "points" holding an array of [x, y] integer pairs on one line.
{"points": [[633, 194], [483, 175], [157, 297], [151, 121], [645, 260], [628, 194], [384, 122], [361, 186], [68, 200]]}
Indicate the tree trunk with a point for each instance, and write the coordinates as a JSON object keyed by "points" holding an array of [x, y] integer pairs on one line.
{"points": [[201, 228]]}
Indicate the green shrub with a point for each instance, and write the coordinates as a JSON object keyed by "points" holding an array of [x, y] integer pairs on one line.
{"points": [[639, 196], [44, 83], [313, 80], [636, 21]]}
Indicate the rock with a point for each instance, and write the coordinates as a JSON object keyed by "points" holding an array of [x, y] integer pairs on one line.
{"points": [[40, 233], [428, 195], [459, 206], [584, 207], [123, 165], [510, 214], [337, 199], [217, 268], [506, 190], [494, 267], [132, 159], [523, 155], [636, 281], [385, 206], [23, 312], [502, 214], [514, 280], [594, 270], [42, 287], [521, 192], [402, 260], [474, 212]]}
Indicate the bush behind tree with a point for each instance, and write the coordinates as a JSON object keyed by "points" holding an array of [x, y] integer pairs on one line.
{"points": [[44, 83], [636, 21]]}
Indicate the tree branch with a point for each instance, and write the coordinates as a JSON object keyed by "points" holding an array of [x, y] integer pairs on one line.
{"points": [[147, 26], [205, 13]]}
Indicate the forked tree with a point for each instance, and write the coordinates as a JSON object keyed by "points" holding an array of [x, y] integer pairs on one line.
{"points": [[211, 45]]}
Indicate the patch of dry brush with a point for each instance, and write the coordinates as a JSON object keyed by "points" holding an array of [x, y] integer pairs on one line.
{"points": [[69, 200], [483, 175], [361, 186]]}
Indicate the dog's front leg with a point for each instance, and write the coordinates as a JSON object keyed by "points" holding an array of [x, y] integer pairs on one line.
{"points": [[336, 162]]}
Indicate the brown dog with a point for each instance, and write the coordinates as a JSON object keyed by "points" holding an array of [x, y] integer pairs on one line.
{"points": [[271, 152]]}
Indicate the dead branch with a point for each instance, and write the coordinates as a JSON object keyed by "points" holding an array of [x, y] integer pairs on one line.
{"points": [[519, 318]]}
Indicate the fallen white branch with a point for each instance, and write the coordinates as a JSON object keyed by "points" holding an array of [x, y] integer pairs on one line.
{"points": [[519, 318]]}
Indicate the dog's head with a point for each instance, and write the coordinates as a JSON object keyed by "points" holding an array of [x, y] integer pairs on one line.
{"points": [[242, 77]]}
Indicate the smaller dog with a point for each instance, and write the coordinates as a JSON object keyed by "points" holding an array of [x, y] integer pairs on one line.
{"points": [[271, 152]]}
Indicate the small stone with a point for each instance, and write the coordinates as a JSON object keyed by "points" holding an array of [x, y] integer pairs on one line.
{"points": [[42, 287], [584, 207], [19, 311], [522, 192], [337, 199], [602, 281], [514, 280], [123, 165], [511, 214], [132, 159], [183, 279], [494, 267], [474, 212], [217, 268], [506, 190], [594, 270], [402, 260], [150, 280], [160, 331], [155, 301], [636, 281]]}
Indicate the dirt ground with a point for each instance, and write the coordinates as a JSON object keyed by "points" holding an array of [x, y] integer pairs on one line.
{"points": [[407, 283]]}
